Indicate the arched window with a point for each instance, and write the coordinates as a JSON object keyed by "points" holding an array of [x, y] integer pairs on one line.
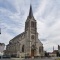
{"points": [[32, 24], [23, 48], [42, 48], [32, 37], [39, 49]]}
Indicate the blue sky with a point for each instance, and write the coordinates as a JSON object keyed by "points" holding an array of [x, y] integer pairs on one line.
{"points": [[13, 14]]}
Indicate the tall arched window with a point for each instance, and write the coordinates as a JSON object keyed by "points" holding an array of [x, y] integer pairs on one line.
{"points": [[23, 48], [32, 24], [32, 37], [39, 49]]}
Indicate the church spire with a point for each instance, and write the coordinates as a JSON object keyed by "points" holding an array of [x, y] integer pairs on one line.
{"points": [[30, 12]]}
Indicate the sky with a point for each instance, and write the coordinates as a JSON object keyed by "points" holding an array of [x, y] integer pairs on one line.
{"points": [[13, 14]]}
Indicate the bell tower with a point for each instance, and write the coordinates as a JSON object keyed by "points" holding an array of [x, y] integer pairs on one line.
{"points": [[31, 31], [30, 22]]}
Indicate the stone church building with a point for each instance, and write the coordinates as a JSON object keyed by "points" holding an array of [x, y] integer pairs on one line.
{"points": [[26, 43]]}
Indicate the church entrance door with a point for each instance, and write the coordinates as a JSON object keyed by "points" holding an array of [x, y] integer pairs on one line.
{"points": [[32, 53]]}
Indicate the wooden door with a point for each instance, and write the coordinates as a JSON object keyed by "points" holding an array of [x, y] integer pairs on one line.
{"points": [[32, 53]]}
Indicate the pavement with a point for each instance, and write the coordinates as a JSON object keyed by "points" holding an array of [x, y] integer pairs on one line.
{"points": [[52, 58], [40, 59]]}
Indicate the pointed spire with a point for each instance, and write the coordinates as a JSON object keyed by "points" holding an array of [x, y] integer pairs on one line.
{"points": [[53, 48], [30, 12]]}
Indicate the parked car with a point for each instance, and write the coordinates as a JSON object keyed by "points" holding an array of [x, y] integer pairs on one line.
{"points": [[6, 56]]}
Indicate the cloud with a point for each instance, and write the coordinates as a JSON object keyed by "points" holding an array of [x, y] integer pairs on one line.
{"points": [[41, 8], [10, 24], [48, 16], [13, 14]]}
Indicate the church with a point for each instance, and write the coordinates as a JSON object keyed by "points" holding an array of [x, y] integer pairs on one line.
{"points": [[27, 43]]}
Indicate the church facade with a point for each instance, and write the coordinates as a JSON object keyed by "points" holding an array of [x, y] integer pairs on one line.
{"points": [[26, 43]]}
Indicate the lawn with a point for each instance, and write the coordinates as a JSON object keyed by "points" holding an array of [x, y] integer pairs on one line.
{"points": [[58, 59]]}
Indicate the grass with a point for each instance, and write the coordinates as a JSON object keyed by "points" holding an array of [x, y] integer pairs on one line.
{"points": [[58, 59]]}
